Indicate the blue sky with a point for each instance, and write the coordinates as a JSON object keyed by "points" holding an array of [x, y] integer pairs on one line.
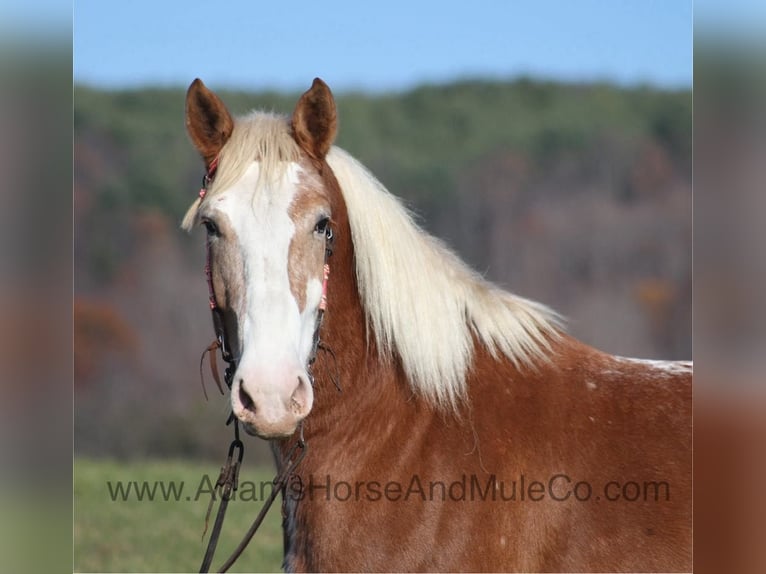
{"points": [[380, 46]]}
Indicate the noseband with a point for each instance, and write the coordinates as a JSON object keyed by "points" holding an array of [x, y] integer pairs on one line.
{"points": [[228, 478]]}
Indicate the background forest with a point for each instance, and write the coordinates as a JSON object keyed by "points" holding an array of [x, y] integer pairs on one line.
{"points": [[576, 195]]}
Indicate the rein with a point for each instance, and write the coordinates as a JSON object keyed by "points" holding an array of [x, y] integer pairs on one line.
{"points": [[227, 482]]}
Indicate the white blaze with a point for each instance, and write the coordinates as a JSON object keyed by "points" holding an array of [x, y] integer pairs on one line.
{"points": [[275, 337]]}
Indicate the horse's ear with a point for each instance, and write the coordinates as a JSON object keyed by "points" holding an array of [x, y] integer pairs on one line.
{"points": [[207, 120], [315, 120]]}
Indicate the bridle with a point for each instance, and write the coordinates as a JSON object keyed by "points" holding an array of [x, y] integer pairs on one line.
{"points": [[220, 341], [228, 478]]}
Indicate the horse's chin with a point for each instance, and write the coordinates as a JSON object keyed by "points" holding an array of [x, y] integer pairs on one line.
{"points": [[267, 434]]}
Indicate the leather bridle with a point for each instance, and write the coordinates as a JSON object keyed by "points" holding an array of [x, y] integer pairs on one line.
{"points": [[228, 477]]}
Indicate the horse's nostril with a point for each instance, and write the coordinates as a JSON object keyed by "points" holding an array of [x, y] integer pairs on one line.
{"points": [[245, 399], [301, 398]]}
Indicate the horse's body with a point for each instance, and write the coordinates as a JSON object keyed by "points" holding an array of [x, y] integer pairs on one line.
{"points": [[588, 416], [507, 459]]}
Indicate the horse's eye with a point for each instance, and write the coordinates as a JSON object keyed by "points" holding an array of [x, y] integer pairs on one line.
{"points": [[210, 227], [321, 226]]}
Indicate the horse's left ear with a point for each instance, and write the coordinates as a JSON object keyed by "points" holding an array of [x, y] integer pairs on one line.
{"points": [[315, 120], [207, 120]]}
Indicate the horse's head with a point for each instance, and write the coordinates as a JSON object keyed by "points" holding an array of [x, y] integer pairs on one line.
{"points": [[268, 215]]}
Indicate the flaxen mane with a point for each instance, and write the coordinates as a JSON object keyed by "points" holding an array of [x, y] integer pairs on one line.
{"points": [[422, 302]]}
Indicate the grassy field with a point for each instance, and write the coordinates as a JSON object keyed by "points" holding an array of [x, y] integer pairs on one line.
{"points": [[116, 532]]}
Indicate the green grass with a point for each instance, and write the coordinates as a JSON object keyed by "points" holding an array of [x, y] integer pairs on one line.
{"points": [[35, 521], [165, 535]]}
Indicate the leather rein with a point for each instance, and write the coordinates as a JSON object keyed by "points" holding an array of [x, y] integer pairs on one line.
{"points": [[227, 482]]}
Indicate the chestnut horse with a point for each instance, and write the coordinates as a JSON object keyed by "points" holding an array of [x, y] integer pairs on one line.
{"points": [[453, 426]]}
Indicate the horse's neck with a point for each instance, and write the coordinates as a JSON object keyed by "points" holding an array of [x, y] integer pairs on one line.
{"points": [[346, 357], [349, 357], [341, 416]]}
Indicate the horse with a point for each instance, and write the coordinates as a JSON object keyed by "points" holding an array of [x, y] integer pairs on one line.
{"points": [[450, 425]]}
